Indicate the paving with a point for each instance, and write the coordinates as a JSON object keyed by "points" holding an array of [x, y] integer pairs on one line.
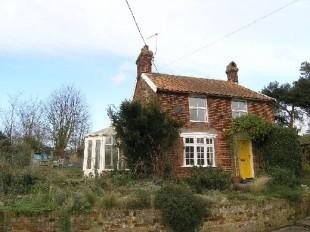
{"points": [[302, 225]]}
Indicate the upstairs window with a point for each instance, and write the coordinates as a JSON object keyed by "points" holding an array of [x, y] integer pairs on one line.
{"points": [[239, 108], [198, 109]]}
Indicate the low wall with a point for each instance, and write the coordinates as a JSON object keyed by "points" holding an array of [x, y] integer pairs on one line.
{"points": [[233, 216]]}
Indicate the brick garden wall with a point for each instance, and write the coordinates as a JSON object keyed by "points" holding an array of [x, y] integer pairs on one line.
{"points": [[237, 216]]}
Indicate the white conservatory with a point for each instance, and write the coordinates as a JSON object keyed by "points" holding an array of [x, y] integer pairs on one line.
{"points": [[101, 153]]}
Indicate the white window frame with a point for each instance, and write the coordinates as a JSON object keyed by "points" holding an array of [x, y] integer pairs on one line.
{"points": [[238, 111], [111, 155], [198, 107], [196, 136]]}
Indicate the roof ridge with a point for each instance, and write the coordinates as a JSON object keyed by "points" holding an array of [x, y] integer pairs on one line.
{"points": [[183, 76], [242, 86]]}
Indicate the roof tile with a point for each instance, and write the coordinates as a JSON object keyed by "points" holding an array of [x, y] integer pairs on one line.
{"points": [[184, 84]]}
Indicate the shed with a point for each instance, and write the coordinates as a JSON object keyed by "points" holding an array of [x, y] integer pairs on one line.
{"points": [[101, 153]]}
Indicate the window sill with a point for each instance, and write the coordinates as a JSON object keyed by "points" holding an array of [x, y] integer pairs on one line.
{"points": [[192, 166], [199, 121]]}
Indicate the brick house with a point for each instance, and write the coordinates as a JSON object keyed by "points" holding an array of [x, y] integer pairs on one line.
{"points": [[206, 107]]}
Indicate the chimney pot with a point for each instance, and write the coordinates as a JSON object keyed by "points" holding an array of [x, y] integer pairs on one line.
{"points": [[144, 61], [232, 72]]}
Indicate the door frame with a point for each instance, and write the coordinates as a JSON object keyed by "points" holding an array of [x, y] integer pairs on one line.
{"points": [[251, 156]]}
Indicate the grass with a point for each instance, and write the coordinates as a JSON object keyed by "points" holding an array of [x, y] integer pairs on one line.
{"points": [[30, 205], [66, 188]]}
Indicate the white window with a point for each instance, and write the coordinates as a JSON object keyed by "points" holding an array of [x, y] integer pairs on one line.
{"points": [[97, 154], [108, 158], [199, 151], [198, 109], [239, 108], [89, 154]]}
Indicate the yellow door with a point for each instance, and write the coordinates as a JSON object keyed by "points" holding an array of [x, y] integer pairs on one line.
{"points": [[244, 156]]}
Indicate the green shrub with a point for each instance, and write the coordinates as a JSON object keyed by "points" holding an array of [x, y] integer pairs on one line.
{"points": [[139, 200], [144, 132], [121, 178], [209, 178], [109, 201], [281, 149], [284, 177], [33, 204], [291, 194], [181, 210], [100, 181], [90, 197], [252, 126], [14, 180], [59, 196], [79, 203], [64, 222]]}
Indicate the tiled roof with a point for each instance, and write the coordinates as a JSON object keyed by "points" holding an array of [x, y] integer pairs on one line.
{"points": [[184, 84]]}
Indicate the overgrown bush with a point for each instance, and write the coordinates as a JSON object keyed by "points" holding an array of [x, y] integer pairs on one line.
{"points": [[277, 145], [120, 178], [280, 191], [33, 204], [145, 133], [209, 178], [139, 200], [252, 126], [283, 177], [281, 149], [59, 196], [109, 200], [64, 223], [181, 210], [14, 180], [80, 203]]}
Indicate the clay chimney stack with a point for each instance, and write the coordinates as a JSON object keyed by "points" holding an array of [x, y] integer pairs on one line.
{"points": [[232, 72], [144, 61]]}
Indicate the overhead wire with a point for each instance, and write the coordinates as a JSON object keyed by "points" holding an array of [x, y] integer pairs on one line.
{"points": [[225, 36], [139, 30]]}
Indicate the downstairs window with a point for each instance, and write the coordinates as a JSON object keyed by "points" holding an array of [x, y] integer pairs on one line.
{"points": [[199, 151]]}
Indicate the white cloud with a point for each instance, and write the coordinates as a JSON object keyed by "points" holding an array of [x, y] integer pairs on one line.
{"points": [[274, 46], [121, 74]]}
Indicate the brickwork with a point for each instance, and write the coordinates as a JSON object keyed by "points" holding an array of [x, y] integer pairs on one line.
{"points": [[176, 105], [226, 215]]}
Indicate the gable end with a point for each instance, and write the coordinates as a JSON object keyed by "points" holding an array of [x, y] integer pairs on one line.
{"points": [[149, 82]]}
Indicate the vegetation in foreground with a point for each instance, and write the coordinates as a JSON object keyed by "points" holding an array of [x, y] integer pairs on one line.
{"points": [[40, 190]]}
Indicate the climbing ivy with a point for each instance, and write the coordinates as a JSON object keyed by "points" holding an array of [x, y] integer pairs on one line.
{"points": [[251, 126], [279, 146]]}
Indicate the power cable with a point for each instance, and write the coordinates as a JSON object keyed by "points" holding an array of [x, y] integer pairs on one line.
{"points": [[140, 33], [225, 36], [134, 19]]}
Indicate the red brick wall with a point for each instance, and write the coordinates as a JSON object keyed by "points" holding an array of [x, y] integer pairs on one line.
{"points": [[219, 119], [143, 93]]}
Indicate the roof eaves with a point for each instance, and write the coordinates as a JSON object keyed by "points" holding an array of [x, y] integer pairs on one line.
{"points": [[149, 82], [267, 99]]}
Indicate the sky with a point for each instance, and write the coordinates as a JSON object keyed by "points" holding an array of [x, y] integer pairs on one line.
{"points": [[93, 45]]}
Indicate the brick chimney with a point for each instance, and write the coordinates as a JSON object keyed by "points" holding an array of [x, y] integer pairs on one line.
{"points": [[232, 72], [144, 61]]}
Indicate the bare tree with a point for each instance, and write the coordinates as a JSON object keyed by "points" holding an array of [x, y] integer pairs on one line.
{"points": [[32, 127], [67, 118], [10, 120]]}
